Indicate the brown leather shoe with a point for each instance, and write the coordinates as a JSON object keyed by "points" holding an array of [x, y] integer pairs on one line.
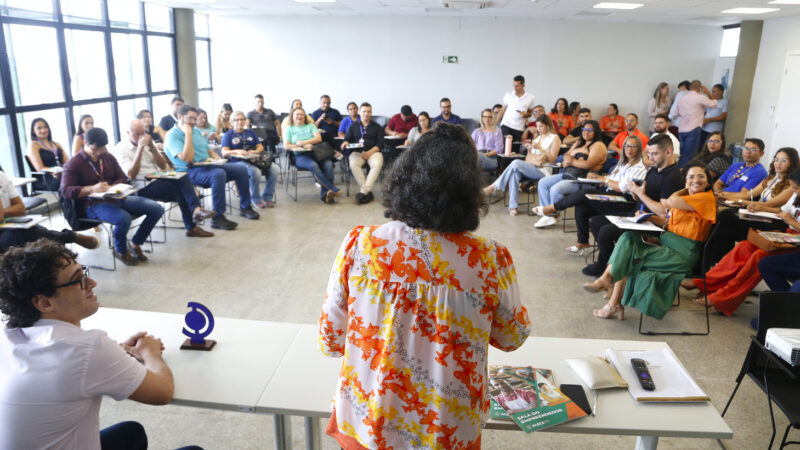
{"points": [[199, 232], [85, 241], [136, 251], [127, 258]]}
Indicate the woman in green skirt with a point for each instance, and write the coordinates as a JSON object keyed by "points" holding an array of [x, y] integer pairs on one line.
{"points": [[645, 274]]}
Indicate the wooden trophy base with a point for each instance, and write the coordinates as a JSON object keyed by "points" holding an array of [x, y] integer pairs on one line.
{"points": [[208, 345]]}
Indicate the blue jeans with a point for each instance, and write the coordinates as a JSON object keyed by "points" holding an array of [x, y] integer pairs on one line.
{"points": [[486, 162], [554, 188], [120, 213], [180, 191], [322, 175], [254, 173], [128, 436], [216, 177], [780, 270], [517, 171], [690, 142]]}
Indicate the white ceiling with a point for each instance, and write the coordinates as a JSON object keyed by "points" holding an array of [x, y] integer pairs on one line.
{"points": [[701, 12]]}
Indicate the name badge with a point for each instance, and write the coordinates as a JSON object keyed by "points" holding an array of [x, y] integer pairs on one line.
{"points": [[744, 178]]}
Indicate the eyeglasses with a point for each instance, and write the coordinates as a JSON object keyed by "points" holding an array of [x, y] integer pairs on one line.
{"points": [[781, 160], [714, 141], [487, 117], [587, 129], [627, 146], [752, 149], [83, 280]]}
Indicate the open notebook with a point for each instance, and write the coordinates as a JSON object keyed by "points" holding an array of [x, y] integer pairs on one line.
{"points": [[673, 382]]}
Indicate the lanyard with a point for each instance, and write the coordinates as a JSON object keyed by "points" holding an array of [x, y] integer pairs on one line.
{"points": [[363, 132], [54, 151], [94, 169], [739, 173]]}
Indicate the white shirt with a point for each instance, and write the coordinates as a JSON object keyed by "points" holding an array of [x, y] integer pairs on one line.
{"points": [[676, 144], [512, 118], [791, 209], [7, 190], [626, 173], [54, 376], [125, 152], [673, 110]]}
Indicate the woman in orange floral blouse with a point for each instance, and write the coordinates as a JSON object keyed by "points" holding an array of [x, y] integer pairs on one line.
{"points": [[412, 305]]}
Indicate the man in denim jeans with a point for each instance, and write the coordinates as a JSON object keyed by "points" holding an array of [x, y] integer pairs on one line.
{"points": [[691, 109], [184, 144]]}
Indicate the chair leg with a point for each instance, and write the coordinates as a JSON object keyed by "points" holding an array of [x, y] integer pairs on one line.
{"points": [[739, 383], [785, 435]]}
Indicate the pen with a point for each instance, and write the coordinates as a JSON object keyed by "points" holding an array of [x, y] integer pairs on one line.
{"points": [[594, 407]]}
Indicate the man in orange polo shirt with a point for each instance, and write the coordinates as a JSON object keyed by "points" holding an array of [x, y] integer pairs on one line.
{"points": [[631, 128]]}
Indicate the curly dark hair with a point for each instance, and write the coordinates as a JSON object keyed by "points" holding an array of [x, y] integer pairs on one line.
{"points": [[436, 184], [26, 272], [700, 164]]}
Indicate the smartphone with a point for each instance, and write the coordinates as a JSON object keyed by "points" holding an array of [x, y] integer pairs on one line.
{"points": [[18, 220], [576, 394], [638, 182]]}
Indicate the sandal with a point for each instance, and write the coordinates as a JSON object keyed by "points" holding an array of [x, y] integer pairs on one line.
{"points": [[606, 312], [513, 212], [594, 288]]}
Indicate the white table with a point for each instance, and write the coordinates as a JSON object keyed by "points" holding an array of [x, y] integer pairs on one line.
{"points": [[22, 181], [232, 376], [618, 413]]}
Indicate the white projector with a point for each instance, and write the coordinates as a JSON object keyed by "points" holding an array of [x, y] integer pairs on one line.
{"points": [[785, 342]]}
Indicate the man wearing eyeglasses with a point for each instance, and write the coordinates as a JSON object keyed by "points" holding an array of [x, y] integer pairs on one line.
{"points": [[631, 129], [55, 374], [744, 176]]}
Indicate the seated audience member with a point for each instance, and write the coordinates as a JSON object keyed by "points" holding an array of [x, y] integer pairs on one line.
{"points": [[575, 110], [224, 119], [542, 150], [584, 115], [351, 118], [659, 104], [241, 145], [715, 117], [84, 123], [662, 180], [169, 121], [612, 123], [206, 129], [401, 124], [729, 282], [155, 132], [588, 154], [139, 157], [517, 107], [296, 103], [11, 206], [370, 135], [185, 146], [446, 116], [646, 276], [630, 167], [300, 137], [434, 200], [423, 126], [631, 129], [690, 109], [530, 130], [93, 171], [714, 155], [662, 125], [265, 118], [744, 176], [488, 140], [683, 89], [781, 272], [561, 117], [772, 193], [55, 373], [44, 153], [327, 120]]}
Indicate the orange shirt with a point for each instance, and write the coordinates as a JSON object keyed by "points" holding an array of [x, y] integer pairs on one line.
{"points": [[620, 138], [694, 225], [618, 123], [562, 122]]}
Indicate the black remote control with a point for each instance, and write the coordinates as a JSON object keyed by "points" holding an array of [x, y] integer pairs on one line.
{"points": [[640, 367]]}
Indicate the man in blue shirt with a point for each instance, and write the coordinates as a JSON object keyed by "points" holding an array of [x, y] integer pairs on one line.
{"points": [[446, 115], [351, 118], [327, 119], [744, 176], [185, 145]]}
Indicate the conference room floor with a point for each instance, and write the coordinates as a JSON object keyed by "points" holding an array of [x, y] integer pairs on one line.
{"points": [[277, 268]]}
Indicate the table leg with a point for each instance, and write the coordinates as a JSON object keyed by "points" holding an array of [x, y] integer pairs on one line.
{"points": [[646, 442], [313, 435], [283, 432]]}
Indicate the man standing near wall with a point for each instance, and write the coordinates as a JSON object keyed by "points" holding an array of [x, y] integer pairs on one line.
{"points": [[683, 88], [691, 109], [517, 107], [715, 117]]}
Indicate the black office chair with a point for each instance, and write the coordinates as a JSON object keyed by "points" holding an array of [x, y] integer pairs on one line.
{"points": [[293, 175], [771, 374], [32, 203], [78, 223], [698, 272]]}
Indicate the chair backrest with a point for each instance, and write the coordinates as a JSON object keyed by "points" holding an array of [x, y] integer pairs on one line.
{"points": [[777, 310], [469, 125], [380, 120], [261, 133]]}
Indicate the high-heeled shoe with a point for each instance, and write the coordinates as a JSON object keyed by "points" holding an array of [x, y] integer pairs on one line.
{"points": [[607, 311], [596, 286]]}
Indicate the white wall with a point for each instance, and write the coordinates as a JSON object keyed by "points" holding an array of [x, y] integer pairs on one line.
{"points": [[778, 38], [391, 61]]}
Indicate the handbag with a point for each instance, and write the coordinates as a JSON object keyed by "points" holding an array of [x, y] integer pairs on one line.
{"points": [[573, 173], [322, 151], [756, 238]]}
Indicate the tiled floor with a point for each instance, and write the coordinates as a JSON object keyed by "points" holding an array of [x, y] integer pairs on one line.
{"points": [[276, 269]]}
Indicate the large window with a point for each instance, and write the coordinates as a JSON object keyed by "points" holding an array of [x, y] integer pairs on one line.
{"points": [[730, 41], [66, 58], [202, 43]]}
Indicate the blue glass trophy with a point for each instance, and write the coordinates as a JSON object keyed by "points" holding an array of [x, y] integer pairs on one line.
{"points": [[200, 322]]}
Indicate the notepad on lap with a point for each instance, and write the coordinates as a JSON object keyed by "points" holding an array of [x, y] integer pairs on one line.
{"points": [[673, 382]]}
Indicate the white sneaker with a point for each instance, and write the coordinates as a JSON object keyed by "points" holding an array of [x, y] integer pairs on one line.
{"points": [[537, 210], [545, 221]]}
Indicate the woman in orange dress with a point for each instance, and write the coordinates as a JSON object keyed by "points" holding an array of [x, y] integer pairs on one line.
{"points": [[561, 117]]}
